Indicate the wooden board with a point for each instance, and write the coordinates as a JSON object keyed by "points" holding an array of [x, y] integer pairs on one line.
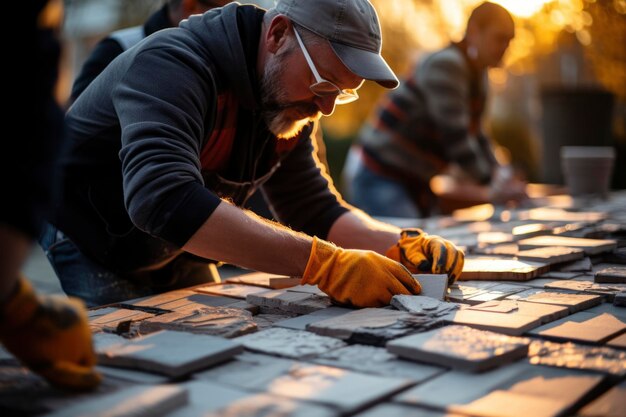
{"points": [[262, 279], [590, 246], [499, 269]]}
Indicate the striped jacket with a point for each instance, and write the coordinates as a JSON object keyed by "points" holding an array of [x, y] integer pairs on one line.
{"points": [[433, 119]]}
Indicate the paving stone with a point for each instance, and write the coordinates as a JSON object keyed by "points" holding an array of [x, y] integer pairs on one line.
{"points": [[216, 321], [422, 305], [612, 275], [399, 410], [129, 375], [198, 301], [620, 313], [460, 347], [160, 299], [169, 353], [497, 292], [377, 361], [245, 306], [206, 397], [469, 393], [620, 299], [114, 319], [492, 268], [618, 342], [560, 215], [574, 302], [574, 356], [309, 289], [512, 324], [372, 326], [583, 327], [302, 322], [230, 290], [264, 405], [541, 282], [291, 302], [560, 275], [609, 404], [137, 401], [544, 312], [590, 246], [607, 290], [582, 265], [462, 291], [551, 254], [433, 285], [259, 279], [289, 343]]}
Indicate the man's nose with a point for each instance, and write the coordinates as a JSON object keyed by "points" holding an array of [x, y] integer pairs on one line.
{"points": [[326, 104]]}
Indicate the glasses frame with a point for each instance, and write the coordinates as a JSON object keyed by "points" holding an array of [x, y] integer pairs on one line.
{"points": [[343, 96]]}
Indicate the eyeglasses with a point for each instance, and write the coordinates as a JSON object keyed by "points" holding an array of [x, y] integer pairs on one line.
{"points": [[322, 87]]}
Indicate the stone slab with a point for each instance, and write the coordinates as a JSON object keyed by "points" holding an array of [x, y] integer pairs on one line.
{"points": [[433, 285], [115, 319], [460, 347], [289, 301], [302, 322], [289, 343], [613, 275], [492, 268], [590, 246], [230, 290], [544, 312], [512, 324], [590, 329], [609, 404], [423, 305], [581, 265], [206, 397], [551, 254], [574, 302], [264, 405]]}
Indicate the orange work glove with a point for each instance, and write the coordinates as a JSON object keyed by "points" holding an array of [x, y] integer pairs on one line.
{"points": [[356, 277], [421, 252], [50, 335]]}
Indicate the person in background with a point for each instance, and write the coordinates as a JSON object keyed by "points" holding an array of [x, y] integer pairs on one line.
{"points": [[169, 142], [172, 12], [48, 334], [432, 125]]}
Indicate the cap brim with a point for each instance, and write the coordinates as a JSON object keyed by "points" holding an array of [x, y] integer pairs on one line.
{"points": [[366, 64]]}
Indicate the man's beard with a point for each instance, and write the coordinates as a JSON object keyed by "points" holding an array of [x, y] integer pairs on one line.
{"points": [[284, 119]]}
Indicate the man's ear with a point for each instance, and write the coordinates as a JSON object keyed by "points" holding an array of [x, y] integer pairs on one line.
{"points": [[278, 33]]}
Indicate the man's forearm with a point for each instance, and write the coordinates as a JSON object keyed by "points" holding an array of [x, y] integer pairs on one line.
{"points": [[357, 230], [242, 238]]}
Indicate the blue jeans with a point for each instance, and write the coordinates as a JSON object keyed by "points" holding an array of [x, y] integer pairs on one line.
{"points": [[96, 285], [378, 195]]}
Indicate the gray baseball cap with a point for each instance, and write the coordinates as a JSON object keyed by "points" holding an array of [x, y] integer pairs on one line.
{"points": [[351, 27]]}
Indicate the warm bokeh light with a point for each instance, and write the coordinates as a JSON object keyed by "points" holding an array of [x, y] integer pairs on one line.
{"points": [[522, 8]]}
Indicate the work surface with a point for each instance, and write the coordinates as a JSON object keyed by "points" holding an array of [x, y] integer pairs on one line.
{"points": [[531, 329]]}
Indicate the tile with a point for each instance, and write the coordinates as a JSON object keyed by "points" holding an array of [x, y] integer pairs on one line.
{"points": [[618, 342], [607, 290], [129, 375], [491, 268], [159, 299], [400, 410], [595, 329], [497, 292], [422, 305], [230, 290], [372, 326], [284, 282], [433, 285], [581, 265], [137, 401], [344, 390], [245, 306], [456, 389], [544, 312], [512, 324], [460, 347], [620, 313], [500, 403], [462, 291], [206, 397], [541, 282], [169, 353], [310, 289], [560, 215], [574, 302], [578, 357], [288, 301], [302, 322], [260, 279], [377, 361], [612, 275], [620, 299], [115, 319], [609, 404], [289, 343], [590, 246], [265, 321], [551, 254], [264, 405], [198, 301], [561, 275], [216, 321]]}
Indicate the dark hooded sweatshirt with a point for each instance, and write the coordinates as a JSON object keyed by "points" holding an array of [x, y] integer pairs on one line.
{"points": [[169, 128]]}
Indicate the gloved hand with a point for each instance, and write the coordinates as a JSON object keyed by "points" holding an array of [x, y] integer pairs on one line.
{"points": [[50, 335], [356, 277], [421, 252]]}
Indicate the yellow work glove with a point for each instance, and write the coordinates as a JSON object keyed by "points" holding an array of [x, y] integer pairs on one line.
{"points": [[421, 252], [356, 277], [50, 335]]}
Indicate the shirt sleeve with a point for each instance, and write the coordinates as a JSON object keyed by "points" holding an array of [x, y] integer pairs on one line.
{"points": [[104, 52]]}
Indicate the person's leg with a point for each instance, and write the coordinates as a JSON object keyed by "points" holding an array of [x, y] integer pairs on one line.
{"points": [[380, 196], [81, 277]]}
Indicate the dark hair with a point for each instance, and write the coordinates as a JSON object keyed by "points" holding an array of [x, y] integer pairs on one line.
{"points": [[487, 13]]}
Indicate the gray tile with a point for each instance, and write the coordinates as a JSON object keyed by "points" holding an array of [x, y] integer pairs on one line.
{"points": [[512, 324], [377, 361], [582, 265], [230, 290], [590, 246], [433, 285], [497, 292], [574, 302], [206, 397], [612, 275], [288, 301], [607, 290], [266, 321], [289, 343], [169, 353], [609, 404], [578, 357], [135, 401], [460, 347], [129, 375], [544, 312], [264, 405], [400, 410], [302, 322], [112, 319], [583, 327], [422, 305], [216, 321]]}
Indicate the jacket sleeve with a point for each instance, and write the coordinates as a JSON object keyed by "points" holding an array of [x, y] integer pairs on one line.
{"points": [[445, 81], [162, 125], [302, 194], [105, 51]]}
